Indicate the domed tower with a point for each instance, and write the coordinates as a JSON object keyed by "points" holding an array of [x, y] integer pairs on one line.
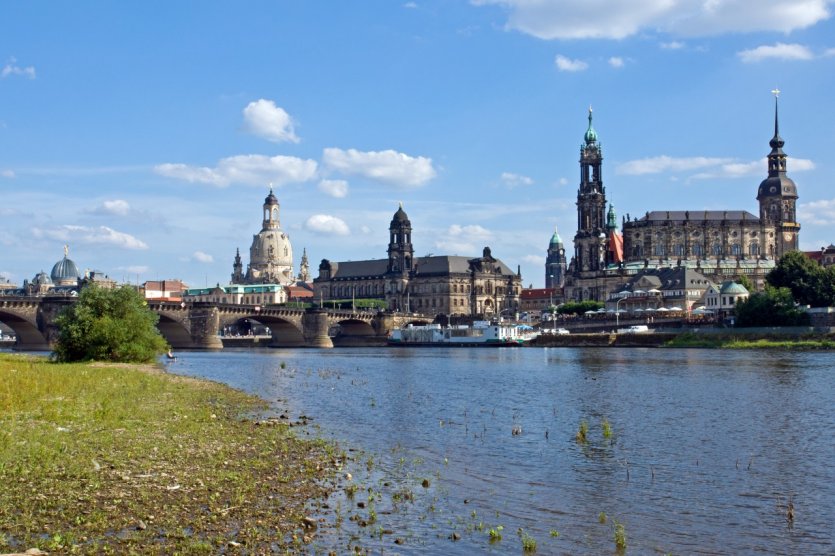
{"points": [[400, 251], [777, 196], [270, 256], [590, 240], [65, 273], [555, 262]]}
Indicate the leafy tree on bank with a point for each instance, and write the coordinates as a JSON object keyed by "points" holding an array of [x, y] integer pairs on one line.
{"points": [[578, 307], [746, 283], [109, 325], [810, 283], [772, 307]]}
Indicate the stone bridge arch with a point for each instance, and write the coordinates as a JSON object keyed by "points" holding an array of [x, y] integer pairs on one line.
{"points": [[285, 330], [29, 336]]}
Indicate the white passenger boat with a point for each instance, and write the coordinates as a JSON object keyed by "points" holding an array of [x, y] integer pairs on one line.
{"points": [[480, 333]]}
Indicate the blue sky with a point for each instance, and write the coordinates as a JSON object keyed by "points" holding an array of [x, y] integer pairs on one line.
{"points": [[145, 135]]}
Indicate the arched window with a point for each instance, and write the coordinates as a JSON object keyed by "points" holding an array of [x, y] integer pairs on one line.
{"points": [[717, 250], [697, 250], [754, 249], [736, 250], [659, 250], [679, 250]]}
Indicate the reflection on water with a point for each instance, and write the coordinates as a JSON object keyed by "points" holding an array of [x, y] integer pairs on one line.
{"points": [[707, 446]]}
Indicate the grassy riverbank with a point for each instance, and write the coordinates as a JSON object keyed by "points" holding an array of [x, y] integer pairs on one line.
{"points": [[731, 341], [98, 458]]}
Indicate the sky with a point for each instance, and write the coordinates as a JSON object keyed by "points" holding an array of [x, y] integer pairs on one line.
{"points": [[146, 135]]}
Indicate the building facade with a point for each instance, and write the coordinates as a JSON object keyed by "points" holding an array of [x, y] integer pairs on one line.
{"points": [[450, 285], [555, 263], [719, 244]]}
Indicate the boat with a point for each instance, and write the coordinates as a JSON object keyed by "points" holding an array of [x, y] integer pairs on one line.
{"points": [[480, 333]]}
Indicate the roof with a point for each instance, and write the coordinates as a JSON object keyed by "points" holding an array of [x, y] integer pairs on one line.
{"points": [[358, 269], [697, 215], [537, 293], [730, 287], [442, 264]]}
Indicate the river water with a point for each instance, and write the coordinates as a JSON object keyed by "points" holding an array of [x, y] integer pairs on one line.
{"points": [[707, 447]]}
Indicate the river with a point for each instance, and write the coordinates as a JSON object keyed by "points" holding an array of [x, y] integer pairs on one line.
{"points": [[704, 453]]}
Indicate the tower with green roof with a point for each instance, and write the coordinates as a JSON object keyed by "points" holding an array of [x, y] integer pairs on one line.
{"points": [[555, 263], [590, 240]]}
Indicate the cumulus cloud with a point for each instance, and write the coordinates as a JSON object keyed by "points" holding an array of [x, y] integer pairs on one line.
{"points": [[515, 180], [829, 52], [252, 169], [201, 257], [11, 68], [327, 224], [658, 164], [334, 188], [567, 64], [389, 166], [779, 51], [563, 181], [7, 174], [817, 213], [615, 19], [463, 239], [101, 235], [118, 207], [712, 167], [410, 5], [264, 119], [672, 45], [616, 62]]}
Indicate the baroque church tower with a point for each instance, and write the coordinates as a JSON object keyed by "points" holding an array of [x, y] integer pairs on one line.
{"points": [[590, 240], [400, 251], [777, 196]]}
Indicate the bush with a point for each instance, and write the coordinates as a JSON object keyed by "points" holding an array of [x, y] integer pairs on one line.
{"points": [[579, 307], [772, 307], [109, 325]]}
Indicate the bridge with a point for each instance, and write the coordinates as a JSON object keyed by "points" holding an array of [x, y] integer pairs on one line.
{"points": [[196, 325]]}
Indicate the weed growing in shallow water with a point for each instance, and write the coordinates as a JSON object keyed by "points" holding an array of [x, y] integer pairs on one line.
{"points": [[602, 518], [528, 543], [607, 429], [620, 535], [582, 432], [555, 533], [496, 533]]}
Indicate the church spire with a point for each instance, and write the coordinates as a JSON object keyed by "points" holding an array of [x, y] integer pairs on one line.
{"points": [[591, 134]]}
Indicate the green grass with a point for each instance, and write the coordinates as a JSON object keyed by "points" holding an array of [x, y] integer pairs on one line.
{"points": [[731, 341], [107, 458]]}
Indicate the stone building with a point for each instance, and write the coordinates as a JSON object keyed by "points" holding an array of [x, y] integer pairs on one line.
{"points": [[270, 255], [720, 244], [451, 285]]}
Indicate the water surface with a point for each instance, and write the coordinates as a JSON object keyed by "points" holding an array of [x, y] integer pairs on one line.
{"points": [[707, 447]]}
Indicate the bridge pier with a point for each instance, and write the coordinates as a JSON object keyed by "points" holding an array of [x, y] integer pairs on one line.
{"points": [[204, 323], [316, 324]]}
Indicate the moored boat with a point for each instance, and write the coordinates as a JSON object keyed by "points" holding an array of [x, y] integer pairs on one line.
{"points": [[480, 333]]}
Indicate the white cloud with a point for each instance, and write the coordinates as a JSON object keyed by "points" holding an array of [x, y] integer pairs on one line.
{"points": [[252, 169], [515, 180], [463, 239], [390, 167], [563, 181], [658, 164], [672, 45], [780, 51], [829, 52], [713, 167], [334, 188], [567, 64], [101, 235], [817, 213], [202, 257], [7, 174], [615, 19], [11, 68], [327, 224], [616, 62], [264, 119], [118, 207], [410, 5]]}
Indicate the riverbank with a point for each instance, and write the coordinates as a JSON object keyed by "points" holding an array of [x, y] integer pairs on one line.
{"points": [[102, 458], [726, 339]]}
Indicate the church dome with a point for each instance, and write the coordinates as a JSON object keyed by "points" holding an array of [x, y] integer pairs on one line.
{"points": [[400, 218], [591, 134], [42, 279], [777, 186], [65, 272], [271, 257]]}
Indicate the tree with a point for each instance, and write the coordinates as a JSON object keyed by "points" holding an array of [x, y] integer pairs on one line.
{"points": [[746, 283], [809, 282], [772, 307], [579, 307], [109, 325]]}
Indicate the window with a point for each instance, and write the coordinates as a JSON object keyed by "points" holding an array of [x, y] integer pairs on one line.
{"points": [[717, 250], [659, 251], [736, 250], [678, 250], [754, 249], [697, 249]]}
